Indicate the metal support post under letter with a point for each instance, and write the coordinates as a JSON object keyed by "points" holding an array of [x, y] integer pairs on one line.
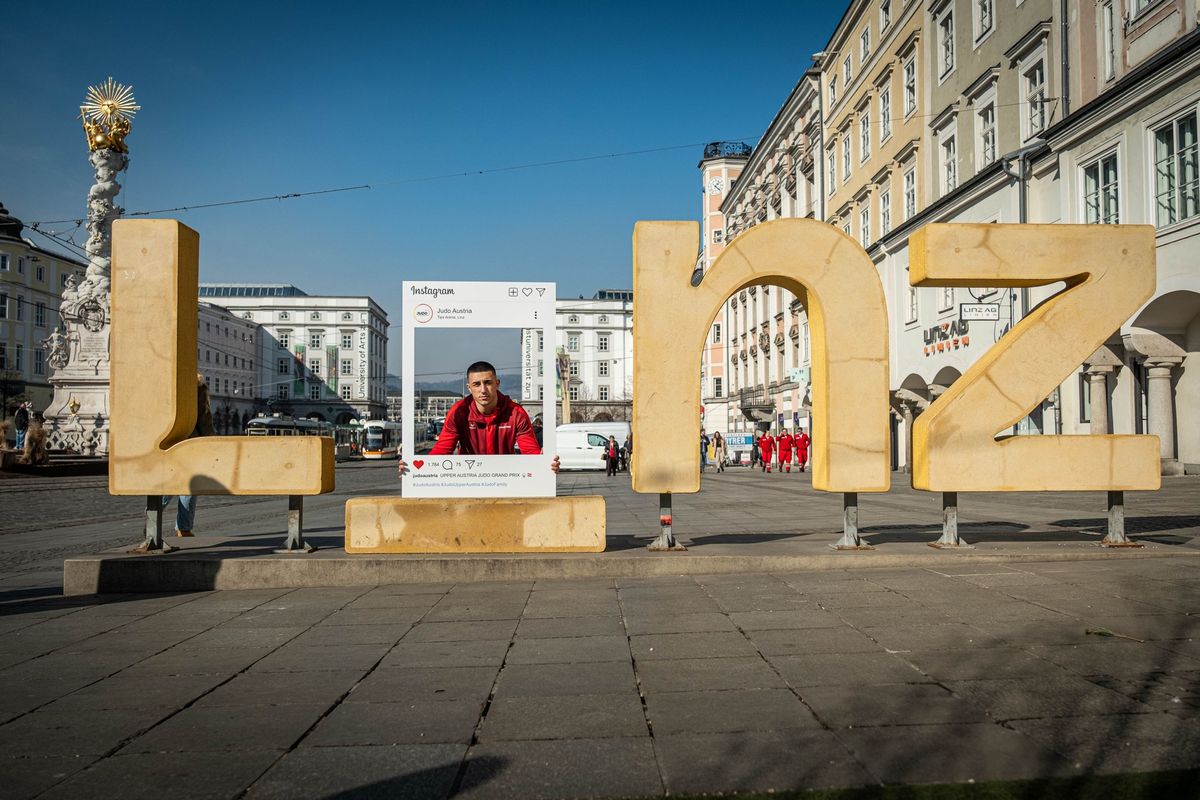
{"points": [[850, 539], [1116, 523], [295, 540], [666, 538], [950, 540], [153, 543]]}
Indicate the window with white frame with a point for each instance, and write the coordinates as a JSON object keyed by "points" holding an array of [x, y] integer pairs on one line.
{"points": [[41, 274], [945, 31], [864, 133], [804, 341], [833, 91], [573, 369], [985, 18], [716, 333], [4, 265], [864, 45], [1108, 40], [39, 362], [885, 15], [885, 113], [572, 342], [949, 163], [846, 228], [315, 340], [846, 157], [913, 307], [39, 314], [1033, 90], [910, 86], [314, 366], [347, 366], [1176, 171], [946, 299], [573, 393], [347, 341], [601, 392], [285, 340], [847, 74], [345, 389], [718, 387], [885, 212], [1101, 191], [602, 369], [985, 125], [864, 226], [832, 171], [284, 391], [910, 193], [314, 391], [602, 342], [3, 305]]}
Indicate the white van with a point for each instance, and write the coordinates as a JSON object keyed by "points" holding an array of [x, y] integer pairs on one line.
{"points": [[581, 445]]}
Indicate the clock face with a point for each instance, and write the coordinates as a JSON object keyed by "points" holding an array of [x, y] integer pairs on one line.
{"points": [[715, 186]]}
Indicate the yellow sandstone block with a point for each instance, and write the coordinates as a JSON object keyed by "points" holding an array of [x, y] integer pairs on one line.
{"points": [[482, 525], [152, 395], [1109, 271], [847, 313]]}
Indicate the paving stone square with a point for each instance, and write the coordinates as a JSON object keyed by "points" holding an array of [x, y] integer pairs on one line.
{"points": [[727, 710], [404, 722], [404, 772], [581, 716]]}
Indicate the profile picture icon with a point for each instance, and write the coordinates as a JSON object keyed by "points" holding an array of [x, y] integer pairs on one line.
{"points": [[423, 313]]}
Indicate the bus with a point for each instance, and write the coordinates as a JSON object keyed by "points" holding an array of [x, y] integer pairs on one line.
{"points": [[381, 439]]}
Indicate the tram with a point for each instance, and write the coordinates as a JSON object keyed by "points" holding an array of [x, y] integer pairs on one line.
{"points": [[286, 426], [381, 439]]}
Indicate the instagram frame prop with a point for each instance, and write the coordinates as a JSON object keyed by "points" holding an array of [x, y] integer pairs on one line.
{"points": [[477, 305]]}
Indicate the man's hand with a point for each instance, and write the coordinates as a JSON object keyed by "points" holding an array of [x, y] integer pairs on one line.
{"points": [[403, 466], [554, 465]]}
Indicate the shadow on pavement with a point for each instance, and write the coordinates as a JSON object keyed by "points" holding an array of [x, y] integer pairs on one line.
{"points": [[432, 782]]}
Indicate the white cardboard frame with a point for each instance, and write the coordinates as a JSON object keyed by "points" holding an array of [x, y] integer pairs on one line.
{"points": [[477, 304]]}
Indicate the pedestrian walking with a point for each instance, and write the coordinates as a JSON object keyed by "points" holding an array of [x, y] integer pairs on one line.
{"points": [[766, 448], [703, 450], [21, 423], [802, 445], [721, 451], [185, 509], [612, 455], [753, 451], [786, 443], [627, 452]]}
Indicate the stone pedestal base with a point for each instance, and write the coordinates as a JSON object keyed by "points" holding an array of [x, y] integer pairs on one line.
{"points": [[77, 418], [1172, 466]]}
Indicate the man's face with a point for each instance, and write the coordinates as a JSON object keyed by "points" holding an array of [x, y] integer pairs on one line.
{"points": [[485, 390]]}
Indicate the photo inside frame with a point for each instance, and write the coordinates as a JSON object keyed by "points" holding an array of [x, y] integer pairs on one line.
{"points": [[441, 359]]}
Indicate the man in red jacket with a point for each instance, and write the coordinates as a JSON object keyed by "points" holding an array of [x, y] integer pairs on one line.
{"points": [[486, 423], [802, 443], [766, 446], [786, 442]]}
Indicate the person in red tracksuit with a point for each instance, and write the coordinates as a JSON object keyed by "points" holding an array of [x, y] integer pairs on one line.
{"points": [[786, 442], [487, 422], [766, 446], [802, 444]]}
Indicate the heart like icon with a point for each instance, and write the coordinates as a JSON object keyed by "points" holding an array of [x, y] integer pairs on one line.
{"points": [[418, 463], [527, 291]]}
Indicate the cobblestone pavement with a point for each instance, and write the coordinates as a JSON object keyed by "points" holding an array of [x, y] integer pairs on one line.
{"points": [[606, 688]]}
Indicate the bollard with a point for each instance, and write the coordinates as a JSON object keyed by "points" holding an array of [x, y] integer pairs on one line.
{"points": [[950, 540], [666, 537], [295, 529], [153, 542], [1116, 523], [850, 539]]}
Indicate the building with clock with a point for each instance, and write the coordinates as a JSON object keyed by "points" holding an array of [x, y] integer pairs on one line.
{"points": [[317, 357]]}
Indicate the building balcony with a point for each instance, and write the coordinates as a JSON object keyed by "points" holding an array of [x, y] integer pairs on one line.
{"points": [[757, 404]]}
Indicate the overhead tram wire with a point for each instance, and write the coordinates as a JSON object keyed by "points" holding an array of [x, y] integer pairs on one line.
{"points": [[397, 182]]}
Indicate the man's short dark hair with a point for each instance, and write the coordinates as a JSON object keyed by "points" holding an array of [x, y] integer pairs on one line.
{"points": [[481, 366]]}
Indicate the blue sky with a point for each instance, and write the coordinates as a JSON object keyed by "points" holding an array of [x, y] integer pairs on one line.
{"points": [[252, 99]]}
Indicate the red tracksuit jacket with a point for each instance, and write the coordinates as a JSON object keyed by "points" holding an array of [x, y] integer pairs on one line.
{"points": [[496, 434]]}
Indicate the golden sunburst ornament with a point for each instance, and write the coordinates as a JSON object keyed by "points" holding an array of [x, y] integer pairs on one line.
{"points": [[108, 102], [107, 114]]}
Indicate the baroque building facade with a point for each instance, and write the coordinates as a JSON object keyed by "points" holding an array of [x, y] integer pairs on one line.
{"points": [[227, 357], [318, 357], [1042, 111], [31, 284], [595, 343]]}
